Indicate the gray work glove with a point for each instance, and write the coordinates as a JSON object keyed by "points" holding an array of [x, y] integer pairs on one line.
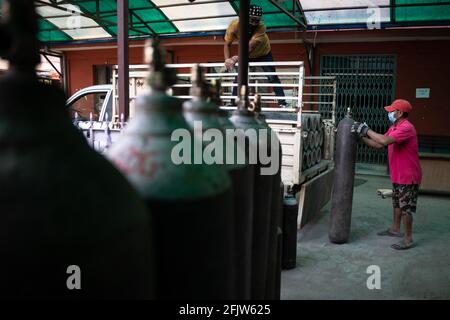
{"points": [[360, 129]]}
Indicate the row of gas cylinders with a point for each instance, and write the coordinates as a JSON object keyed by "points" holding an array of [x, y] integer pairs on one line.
{"points": [[216, 226], [311, 158], [313, 139], [140, 225]]}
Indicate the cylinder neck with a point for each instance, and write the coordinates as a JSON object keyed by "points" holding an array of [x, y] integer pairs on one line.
{"points": [[349, 113], [161, 78], [215, 92], [200, 88], [243, 103]]}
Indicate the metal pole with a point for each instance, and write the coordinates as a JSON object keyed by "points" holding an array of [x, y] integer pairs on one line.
{"points": [[300, 11], [301, 83], [53, 66], [122, 54], [243, 46]]}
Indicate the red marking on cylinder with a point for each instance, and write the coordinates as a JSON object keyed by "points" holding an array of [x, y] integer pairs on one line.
{"points": [[137, 162]]}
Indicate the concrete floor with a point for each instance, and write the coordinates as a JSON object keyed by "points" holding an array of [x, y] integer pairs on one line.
{"points": [[329, 271]]}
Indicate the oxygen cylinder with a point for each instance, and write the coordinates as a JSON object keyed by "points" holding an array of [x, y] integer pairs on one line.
{"points": [[306, 122], [328, 141], [321, 137], [313, 157], [204, 110], [69, 220], [304, 161], [277, 291], [309, 158], [342, 196], [191, 202], [275, 206], [319, 155], [313, 140], [305, 141], [310, 142], [290, 215], [245, 119], [313, 126], [314, 121], [279, 249], [316, 139]]}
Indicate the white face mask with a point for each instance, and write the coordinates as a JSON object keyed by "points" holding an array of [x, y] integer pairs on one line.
{"points": [[391, 116]]}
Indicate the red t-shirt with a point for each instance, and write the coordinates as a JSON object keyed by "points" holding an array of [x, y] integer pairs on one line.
{"points": [[403, 154]]}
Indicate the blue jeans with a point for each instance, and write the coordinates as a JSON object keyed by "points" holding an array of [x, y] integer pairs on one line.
{"points": [[279, 92]]}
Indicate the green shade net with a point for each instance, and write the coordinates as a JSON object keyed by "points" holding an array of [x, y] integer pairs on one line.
{"points": [[50, 33], [144, 18], [431, 12]]}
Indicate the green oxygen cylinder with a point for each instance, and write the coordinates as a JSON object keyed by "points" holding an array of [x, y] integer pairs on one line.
{"points": [[191, 202], [245, 119], [225, 148], [275, 205], [71, 226]]}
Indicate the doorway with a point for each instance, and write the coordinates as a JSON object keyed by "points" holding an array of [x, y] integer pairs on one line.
{"points": [[365, 83]]}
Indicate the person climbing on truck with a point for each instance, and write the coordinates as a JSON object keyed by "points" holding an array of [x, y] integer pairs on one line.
{"points": [[259, 48]]}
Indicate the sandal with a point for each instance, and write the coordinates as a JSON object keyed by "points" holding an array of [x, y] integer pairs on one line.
{"points": [[389, 233], [403, 245]]}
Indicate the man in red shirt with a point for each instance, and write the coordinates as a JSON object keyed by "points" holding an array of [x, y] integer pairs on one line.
{"points": [[404, 167]]}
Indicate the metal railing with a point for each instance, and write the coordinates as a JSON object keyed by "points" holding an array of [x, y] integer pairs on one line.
{"points": [[300, 91], [306, 94]]}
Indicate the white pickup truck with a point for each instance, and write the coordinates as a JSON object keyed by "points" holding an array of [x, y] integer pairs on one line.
{"points": [[95, 99], [307, 137]]}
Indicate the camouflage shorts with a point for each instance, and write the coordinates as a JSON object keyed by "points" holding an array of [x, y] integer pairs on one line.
{"points": [[405, 197]]}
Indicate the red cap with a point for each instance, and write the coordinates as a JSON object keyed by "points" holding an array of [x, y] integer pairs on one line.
{"points": [[399, 104]]}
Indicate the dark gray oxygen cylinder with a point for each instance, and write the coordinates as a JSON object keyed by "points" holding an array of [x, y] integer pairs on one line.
{"points": [[342, 196], [66, 214], [275, 212], [191, 204], [242, 178], [277, 290], [245, 119], [202, 110], [290, 215], [274, 263]]}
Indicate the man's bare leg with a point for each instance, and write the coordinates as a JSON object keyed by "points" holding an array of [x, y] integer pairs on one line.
{"points": [[407, 223], [396, 221], [394, 230], [407, 241]]}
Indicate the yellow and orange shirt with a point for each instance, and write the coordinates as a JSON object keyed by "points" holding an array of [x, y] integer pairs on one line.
{"points": [[260, 36]]}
